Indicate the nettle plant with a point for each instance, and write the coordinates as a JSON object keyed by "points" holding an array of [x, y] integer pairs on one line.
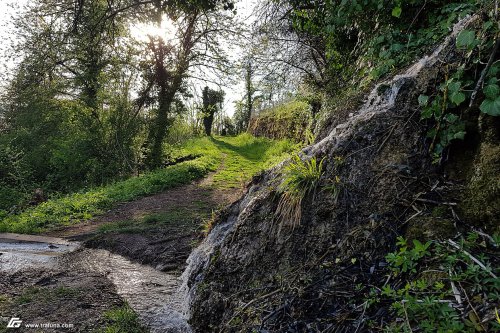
{"points": [[475, 79]]}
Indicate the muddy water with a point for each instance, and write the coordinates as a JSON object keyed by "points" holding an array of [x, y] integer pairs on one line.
{"points": [[153, 295], [18, 252]]}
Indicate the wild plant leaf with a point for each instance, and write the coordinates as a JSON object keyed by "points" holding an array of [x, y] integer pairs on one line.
{"points": [[494, 69], [457, 98], [459, 135], [451, 118], [423, 100], [491, 91], [453, 86], [466, 39], [491, 107], [396, 11]]}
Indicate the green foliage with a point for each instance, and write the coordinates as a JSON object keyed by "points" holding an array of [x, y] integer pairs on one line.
{"points": [[491, 104], [212, 103], [439, 280], [445, 109], [122, 320], [290, 120], [405, 260], [299, 179], [382, 35], [82, 206], [54, 144]]}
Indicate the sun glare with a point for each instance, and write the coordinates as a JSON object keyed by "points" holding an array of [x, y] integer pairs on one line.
{"points": [[142, 31]]}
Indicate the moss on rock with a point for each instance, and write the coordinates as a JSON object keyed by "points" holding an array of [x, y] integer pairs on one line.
{"points": [[481, 199], [430, 227]]}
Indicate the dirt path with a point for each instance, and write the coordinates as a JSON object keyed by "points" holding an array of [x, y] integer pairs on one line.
{"points": [[198, 196], [159, 230]]}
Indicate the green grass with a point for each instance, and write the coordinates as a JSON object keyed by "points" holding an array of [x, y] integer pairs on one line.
{"points": [[45, 295], [151, 222], [247, 156], [243, 156], [122, 320], [300, 178]]}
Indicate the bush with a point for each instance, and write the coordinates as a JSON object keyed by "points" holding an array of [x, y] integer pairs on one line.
{"points": [[290, 120]]}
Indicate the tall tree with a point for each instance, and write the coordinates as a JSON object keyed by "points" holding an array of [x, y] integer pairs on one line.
{"points": [[249, 88], [212, 102], [194, 48]]}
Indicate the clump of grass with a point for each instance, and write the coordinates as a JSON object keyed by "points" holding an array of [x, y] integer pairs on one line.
{"points": [[208, 224], [28, 295], [122, 320], [333, 185], [300, 178]]}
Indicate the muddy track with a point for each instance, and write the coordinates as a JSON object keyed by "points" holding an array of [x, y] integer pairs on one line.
{"points": [[164, 246], [79, 286]]}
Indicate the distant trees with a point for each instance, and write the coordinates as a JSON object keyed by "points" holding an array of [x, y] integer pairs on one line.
{"points": [[172, 61], [240, 117]]}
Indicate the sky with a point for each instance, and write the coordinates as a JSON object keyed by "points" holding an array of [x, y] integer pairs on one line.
{"points": [[6, 10], [233, 92]]}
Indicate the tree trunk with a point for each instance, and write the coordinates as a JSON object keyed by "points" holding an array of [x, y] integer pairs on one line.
{"points": [[207, 122], [159, 129]]}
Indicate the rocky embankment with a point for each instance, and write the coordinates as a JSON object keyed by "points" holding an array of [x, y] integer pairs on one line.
{"points": [[254, 274]]}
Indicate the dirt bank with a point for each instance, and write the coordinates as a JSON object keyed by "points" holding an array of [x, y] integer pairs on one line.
{"points": [[57, 297]]}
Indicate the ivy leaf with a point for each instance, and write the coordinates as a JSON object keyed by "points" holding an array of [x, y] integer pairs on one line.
{"points": [[491, 107], [491, 91], [457, 97], [451, 118], [453, 86], [492, 80], [427, 113], [494, 69], [423, 100], [459, 135], [466, 39], [396, 11]]}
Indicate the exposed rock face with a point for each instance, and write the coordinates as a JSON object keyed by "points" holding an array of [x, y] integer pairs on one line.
{"points": [[481, 196], [248, 277]]}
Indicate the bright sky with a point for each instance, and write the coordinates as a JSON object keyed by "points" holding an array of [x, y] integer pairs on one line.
{"points": [[233, 93], [6, 10]]}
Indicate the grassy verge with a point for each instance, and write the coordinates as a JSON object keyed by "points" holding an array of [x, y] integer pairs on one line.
{"points": [[243, 156], [247, 156], [151, 222]]}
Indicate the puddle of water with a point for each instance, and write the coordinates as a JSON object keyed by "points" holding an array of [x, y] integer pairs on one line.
{"points": [[18, 252], [154, 295]]}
